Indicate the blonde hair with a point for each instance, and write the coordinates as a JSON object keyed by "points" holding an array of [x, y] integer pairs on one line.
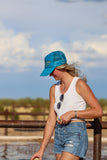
{"points": [[72, 69]]}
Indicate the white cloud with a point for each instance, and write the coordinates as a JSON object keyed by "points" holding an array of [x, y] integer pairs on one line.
{"points": [[15, 51], [105, 17], [68, 1], [89, 53], [17, 55], [51, 47]]}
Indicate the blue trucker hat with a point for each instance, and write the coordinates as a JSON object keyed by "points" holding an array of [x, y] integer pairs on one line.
{"points": [[52, 60]]}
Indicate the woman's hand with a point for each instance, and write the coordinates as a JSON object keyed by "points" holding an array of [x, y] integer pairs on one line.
{"points": [[38, 154], [65, 118]]}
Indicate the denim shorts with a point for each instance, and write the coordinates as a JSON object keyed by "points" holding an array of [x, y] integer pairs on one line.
{"points": [[72, 138]]}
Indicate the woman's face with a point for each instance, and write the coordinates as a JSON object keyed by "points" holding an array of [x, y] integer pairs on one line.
{"points": [[57, 74]]}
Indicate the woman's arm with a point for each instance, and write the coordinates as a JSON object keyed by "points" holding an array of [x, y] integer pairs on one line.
{"points": [[49, 128], [94, 111], [84, 91], [51, 122]]}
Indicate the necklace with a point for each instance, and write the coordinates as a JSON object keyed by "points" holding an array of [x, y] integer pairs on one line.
{"points": [[63, 88]]}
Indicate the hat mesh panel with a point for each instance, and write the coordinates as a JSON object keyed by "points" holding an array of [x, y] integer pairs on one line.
{"points": [[56, 57]]}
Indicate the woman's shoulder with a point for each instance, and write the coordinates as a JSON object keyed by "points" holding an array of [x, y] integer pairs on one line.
{"points": [[81, 86], [80, 82], [54, 85], [52, 88]]}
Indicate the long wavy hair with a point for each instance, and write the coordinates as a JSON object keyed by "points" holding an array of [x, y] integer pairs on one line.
{"points": [[73, 70]]}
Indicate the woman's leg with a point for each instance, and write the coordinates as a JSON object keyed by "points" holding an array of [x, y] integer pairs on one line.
{"points": [[68, 156], [58, 156]]}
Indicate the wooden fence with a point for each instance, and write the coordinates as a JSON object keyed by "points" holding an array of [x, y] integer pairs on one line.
{"points": [[96, 124]]}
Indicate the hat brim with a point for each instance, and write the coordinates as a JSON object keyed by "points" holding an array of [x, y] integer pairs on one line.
{"points": [[47, 71]]}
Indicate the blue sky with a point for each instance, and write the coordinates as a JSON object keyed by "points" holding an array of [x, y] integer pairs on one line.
{"points": [[30, 29]]}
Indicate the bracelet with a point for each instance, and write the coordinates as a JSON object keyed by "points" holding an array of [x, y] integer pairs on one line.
{"points": [[75, 114]]}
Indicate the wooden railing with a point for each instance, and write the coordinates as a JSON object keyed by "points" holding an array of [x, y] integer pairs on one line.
{"points": [[96, 124]]}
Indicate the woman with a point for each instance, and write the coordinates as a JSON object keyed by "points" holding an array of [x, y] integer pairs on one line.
{"points": [[68, 100]]}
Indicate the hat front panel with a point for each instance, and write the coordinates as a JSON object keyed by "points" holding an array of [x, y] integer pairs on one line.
{"points": [[52, 60], [55, 59], [49, 61]]}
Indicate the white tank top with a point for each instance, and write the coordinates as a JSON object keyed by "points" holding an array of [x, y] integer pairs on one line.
{"points": [[71, 101]]}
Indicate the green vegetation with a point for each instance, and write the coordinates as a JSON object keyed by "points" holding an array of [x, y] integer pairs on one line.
{"points": [[103, 103], [25, 102], [38, 104], [1, 108]]}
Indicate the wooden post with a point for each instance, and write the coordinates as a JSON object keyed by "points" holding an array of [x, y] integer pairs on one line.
{"points": [[6, 118], [97, 139]]}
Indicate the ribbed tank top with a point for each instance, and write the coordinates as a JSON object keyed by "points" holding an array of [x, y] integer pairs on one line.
{"points": [[72, 100]]}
